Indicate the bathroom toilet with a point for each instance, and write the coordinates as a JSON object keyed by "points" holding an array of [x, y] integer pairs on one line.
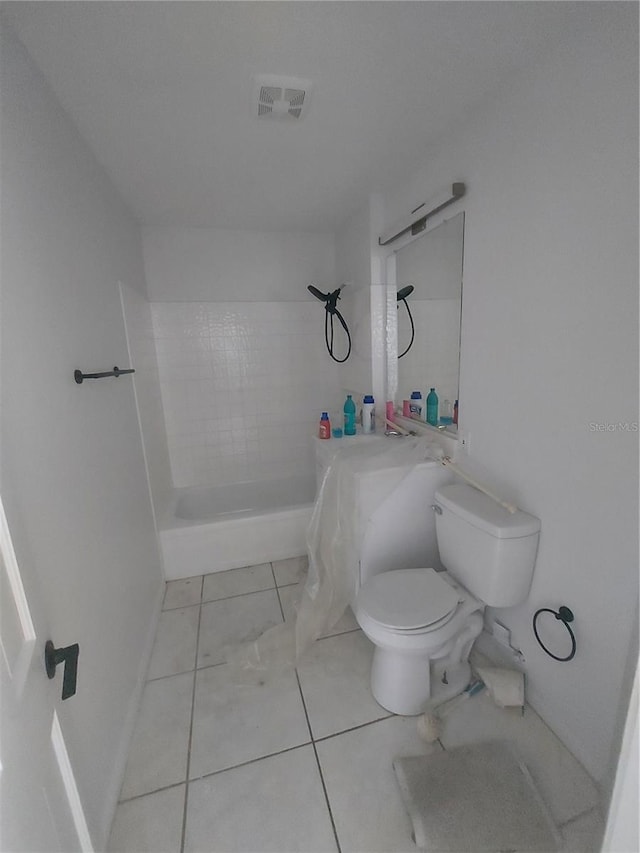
{"points": [[424, 622]]}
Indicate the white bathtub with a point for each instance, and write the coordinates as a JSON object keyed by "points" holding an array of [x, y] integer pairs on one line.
{"points": [[214, 528]]}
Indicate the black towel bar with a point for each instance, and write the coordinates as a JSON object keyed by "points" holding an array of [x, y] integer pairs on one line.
{"points": [[79, 376]]}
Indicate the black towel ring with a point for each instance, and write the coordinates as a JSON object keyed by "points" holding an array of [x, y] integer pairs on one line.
{"points": [[565, 616]]}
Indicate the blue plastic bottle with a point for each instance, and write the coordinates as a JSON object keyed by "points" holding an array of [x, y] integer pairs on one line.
{"points": [[432, 407], [349, 416]]}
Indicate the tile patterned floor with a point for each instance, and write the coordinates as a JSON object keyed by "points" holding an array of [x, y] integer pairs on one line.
{"points": [[302, 761]]}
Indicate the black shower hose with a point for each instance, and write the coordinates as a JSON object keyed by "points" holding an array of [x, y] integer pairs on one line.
{"points": [[413, 329], [328, 333]]}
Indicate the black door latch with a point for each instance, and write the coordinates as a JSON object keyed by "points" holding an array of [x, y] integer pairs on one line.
{"points": [[69, 657]]}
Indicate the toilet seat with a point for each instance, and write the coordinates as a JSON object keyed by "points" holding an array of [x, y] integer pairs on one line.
{"points": [[408, 601]]}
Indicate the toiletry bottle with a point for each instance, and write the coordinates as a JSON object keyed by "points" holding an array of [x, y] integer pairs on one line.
{"points": [[349, 416], [455, 413], [368, 414], [446, 415], [415, 406], [390, 411], [432, 407], [324, 427]]}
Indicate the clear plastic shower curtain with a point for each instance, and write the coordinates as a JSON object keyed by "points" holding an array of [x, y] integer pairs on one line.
{"points": [[334, 538]]}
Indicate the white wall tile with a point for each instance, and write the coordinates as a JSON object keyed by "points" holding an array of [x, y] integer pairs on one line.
{"points": [[243, 386]]}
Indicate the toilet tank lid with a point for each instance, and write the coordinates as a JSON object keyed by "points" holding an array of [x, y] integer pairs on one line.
{"points": [[483, 512]]}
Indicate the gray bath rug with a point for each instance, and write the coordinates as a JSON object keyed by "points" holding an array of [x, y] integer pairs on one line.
{"points": [[475, 799]]}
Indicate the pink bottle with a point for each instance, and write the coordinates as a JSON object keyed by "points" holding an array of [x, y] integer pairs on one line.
{"points": [[324, 427]]}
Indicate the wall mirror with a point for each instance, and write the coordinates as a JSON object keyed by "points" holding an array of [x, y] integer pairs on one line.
{"points": [[433, 265]]}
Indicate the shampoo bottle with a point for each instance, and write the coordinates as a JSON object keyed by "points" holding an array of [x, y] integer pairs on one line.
{"points": [[368, 414], [349, 416], [324, 427], [415, 406], [432, 407]]}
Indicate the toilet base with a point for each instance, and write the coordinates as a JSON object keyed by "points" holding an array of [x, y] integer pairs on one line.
{"points": [[401, 680], [401, 683], [404, 685]]}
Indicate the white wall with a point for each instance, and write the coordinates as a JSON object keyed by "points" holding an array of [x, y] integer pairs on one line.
{"points": [[243, 365], [146, 382], [73, 472], [549, 347], [353, 265], [234, 265]]}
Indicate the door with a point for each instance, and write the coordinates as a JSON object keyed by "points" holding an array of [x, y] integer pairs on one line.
{"points": [[40, 809]]}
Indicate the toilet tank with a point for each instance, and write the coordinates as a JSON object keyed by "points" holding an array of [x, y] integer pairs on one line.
{"points": [[491, 551]]}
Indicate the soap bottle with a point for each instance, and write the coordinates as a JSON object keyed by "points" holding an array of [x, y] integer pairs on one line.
{"points": [[368, 414], [432, 407], [324, 427], [415, 405], [349, 416]]}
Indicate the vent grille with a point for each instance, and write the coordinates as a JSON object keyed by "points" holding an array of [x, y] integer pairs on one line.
{"points": [[280, 97], [269, 94]]}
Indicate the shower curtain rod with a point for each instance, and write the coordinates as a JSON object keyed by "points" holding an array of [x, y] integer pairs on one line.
{"points": [[458, 189]]}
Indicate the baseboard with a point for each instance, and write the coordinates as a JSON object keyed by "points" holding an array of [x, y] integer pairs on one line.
{"points": [[113, 789]]}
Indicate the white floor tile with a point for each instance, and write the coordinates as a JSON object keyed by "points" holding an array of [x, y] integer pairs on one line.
{"points": [[235, 620], [275, 801], [584, 834], [183, 593], [150, 824], [237, 582], [291, 570], [347, 622], [363, 792], [563, 783], [335, 676], [275, 804], [158, 752], [290, 596], [235, 722], [174, 649]]}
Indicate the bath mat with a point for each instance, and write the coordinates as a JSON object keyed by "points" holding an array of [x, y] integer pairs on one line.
{"points": [[474, 798]]}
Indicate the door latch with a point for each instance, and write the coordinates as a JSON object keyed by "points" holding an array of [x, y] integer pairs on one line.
{"points": [[69, 657]]}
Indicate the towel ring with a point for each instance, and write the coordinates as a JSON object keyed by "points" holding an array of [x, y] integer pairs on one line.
{"points": [[565, 615]]}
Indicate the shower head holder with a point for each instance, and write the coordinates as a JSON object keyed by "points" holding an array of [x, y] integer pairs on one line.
{"points": [[330, 299]]}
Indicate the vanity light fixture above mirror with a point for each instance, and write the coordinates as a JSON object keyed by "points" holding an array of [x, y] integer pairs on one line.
{"points": [[417, 221]]}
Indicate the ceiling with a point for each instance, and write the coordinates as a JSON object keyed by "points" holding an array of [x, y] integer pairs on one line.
{"points": [[161, 91]]}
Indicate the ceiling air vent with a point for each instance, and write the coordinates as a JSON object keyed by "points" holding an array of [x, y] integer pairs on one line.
{"points": [[280, 97]]}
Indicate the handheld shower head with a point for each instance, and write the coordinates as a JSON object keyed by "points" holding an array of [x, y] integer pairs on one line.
{"points": [[404, 292], [317, 293]]}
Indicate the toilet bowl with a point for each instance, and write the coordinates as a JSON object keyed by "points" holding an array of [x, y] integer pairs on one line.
{"points": [[423, 622], [414, 617]]}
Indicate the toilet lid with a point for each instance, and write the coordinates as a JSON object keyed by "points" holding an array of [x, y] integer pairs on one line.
{"points": [[406, 599]]}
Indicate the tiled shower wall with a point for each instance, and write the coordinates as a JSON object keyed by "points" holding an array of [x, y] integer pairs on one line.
{"points": [[243, 385]]}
